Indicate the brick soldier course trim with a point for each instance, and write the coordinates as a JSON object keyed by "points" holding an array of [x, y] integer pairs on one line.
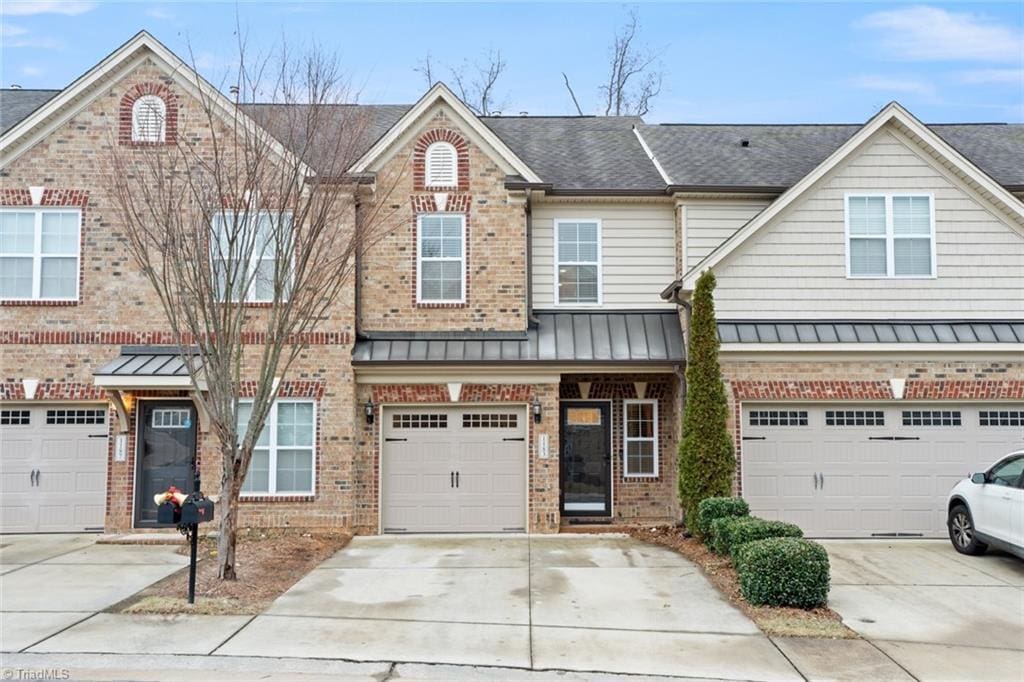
{"points": [[153, 338], [170, 115], [53, 390], [916, 389], [54, 198]]}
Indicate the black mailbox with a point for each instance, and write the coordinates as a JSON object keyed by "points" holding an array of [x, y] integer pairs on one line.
{"points": [[196, 511], [169, 513]]}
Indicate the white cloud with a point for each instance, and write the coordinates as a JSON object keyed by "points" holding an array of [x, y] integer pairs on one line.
{"points": [[31, 71], [21, 8], [159, 13], [894, 84], [923, 33], [8, 31], [29, 41], [991, 77]]}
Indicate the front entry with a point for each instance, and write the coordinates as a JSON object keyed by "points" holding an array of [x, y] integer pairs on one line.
{"points": [[586, 458], [166, 453]]}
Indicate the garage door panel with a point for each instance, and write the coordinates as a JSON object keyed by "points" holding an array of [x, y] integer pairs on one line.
{"points": [[886, 468]]}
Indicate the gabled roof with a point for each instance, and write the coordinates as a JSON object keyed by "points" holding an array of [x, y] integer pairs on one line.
{"points": [[84, 89], [892, 113], [777, 156], [440, 93]]}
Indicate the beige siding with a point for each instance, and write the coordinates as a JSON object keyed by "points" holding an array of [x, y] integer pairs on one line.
{"points": [[795, 267], [637, 251], [709, 223]]}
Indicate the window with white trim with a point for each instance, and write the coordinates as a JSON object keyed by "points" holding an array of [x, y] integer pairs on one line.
{"points": [[890, 235], [39, 254], [149, 114], [442, 165], [640, 437], [578, 261], [283, 459], [245, 252], [441, 263]]}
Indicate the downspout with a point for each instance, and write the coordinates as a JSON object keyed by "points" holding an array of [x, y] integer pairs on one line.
{"points": [[531, 321], [680, 372], [358, 275]]}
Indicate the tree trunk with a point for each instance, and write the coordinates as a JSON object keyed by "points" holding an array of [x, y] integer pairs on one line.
{"points": [[230, 490]]}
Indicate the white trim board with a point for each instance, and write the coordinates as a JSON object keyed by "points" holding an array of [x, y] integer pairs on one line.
{"points": [[892, 113]]}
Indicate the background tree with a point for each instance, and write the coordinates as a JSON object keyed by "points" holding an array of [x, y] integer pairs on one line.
{"points": [[249, 203], [634, 77], [476, 81], [706, 459]]}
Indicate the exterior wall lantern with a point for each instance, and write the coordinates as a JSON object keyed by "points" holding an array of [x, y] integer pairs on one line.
{"points": [[536, 410], [368, 411]]}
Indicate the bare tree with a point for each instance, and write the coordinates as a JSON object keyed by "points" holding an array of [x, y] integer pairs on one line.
{"points": [[476, 82], [251, 203], [425, 67], [633, 79], [576, 102]]}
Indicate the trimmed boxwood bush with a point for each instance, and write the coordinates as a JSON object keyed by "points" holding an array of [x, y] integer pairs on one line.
{"points": [[783, 572], [760, 529], [718, 540], [717, 508]]}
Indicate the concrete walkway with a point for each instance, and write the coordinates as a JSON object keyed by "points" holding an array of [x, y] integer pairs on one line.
{"points": [[938, 614]]}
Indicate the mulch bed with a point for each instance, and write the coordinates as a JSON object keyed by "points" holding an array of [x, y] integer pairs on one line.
{"points": [[268, 564], [773, 620]]}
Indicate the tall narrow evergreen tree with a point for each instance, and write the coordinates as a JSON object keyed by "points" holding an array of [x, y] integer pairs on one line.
{"points": [[706, 458]]}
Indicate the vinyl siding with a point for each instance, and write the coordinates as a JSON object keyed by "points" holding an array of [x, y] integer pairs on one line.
{"points": [[795, 267], [637, 252], [709, 223]]}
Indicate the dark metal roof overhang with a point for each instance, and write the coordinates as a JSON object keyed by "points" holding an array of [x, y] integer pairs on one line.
{"points": [[559, 338], [868, 332], [146, 367]]}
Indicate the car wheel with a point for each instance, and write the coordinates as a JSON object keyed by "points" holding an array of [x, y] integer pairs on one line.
{"points": [[961, 532]]}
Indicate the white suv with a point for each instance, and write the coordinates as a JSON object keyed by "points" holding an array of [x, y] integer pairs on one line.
{"points": [[988, 509]]}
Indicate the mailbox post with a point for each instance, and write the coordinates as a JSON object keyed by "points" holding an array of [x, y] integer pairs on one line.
{"points": [[186, 513]]}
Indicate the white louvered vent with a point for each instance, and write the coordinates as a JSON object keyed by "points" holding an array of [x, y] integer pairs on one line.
{"points": [[442, 165], [148, 115]]}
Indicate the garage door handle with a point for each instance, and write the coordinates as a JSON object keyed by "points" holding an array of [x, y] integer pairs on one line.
{"points": [[395, 440], [518, 439], [97, 435], [451, 476], [755, 438], [456, 479], [32, 477]]}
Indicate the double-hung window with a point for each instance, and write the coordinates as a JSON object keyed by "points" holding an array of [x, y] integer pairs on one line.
{"points": [[441, 266], [578, 261], [890, 235], [283, 459], [245, 251], [39, 254], [640, 437]]}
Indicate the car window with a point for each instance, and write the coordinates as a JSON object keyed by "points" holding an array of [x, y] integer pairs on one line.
{"points": [[1007, 473]]}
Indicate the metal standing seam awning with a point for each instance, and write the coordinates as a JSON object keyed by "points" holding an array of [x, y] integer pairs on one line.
{"points": [[143, 367], [651, 337], [871, 331]]}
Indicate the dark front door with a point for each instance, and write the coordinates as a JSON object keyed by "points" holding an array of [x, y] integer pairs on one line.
{"points": [[166, 453], [586, 459]]}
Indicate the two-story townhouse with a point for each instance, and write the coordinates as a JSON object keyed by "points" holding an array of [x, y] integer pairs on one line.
{"points": [[509, 358]]}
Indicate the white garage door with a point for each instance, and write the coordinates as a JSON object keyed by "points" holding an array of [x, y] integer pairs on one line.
{"points": [[842, 470], [53, 460], [454, 469]]}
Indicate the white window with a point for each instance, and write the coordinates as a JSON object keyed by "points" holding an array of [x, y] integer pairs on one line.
{"points": [[640, 437], [148, 119], [441, 264], [282, 461], [39, 254], [442, 167], [578, 261], [890, 235], [245, 252]]}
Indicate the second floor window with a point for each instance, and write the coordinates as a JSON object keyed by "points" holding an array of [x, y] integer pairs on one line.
{"points": [[441, 266], [245, 254], [149, 114], [442, 166], [891, 235], [578, 261], [39, 254]]}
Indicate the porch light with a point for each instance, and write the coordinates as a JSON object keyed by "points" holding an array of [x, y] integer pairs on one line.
{"points": [[536, 410], [368, 411]]}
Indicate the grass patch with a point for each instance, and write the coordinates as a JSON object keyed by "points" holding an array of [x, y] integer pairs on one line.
{"points": [[269, 562], [772, 620]]}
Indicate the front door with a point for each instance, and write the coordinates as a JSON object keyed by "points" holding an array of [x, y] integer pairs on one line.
{"points": [[586, 459], [166, 453]]}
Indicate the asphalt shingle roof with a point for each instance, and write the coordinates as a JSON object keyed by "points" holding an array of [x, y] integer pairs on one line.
{"points": [[17, 104], [779, 155]]}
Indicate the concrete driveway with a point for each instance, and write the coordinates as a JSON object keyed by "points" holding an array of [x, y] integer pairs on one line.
{"points": [[581, 603], [937, 613], [49, 583]]}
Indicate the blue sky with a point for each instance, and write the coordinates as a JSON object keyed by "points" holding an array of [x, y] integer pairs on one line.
{"points": [[723, 62]]}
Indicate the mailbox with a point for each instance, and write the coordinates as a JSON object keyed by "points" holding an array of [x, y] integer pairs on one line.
{"points": [[169, 513], [196, 510]]}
